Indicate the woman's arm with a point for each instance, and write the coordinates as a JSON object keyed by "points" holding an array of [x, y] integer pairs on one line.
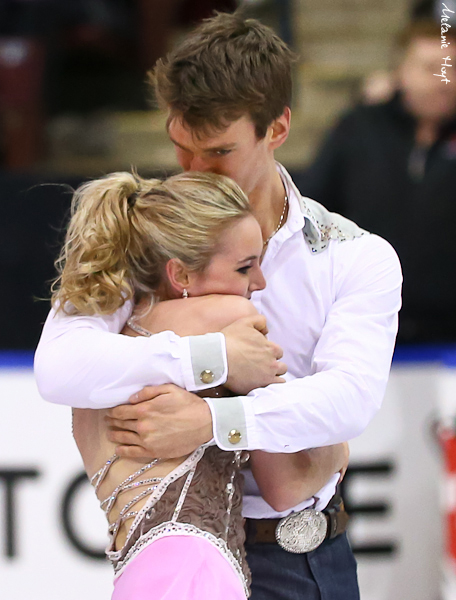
{"points": [[285, 480]]}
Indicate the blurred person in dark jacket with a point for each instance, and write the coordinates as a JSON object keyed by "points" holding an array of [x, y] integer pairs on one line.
{"points": [[391, 167]]}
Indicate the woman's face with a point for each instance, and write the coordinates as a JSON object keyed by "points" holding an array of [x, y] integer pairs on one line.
{"points": [[235, 268]]}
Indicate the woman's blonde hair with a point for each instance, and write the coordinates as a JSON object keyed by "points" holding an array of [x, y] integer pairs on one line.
{"points": [[124, 229]]}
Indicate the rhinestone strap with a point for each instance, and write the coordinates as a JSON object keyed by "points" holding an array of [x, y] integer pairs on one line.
{"points": [[230, 490], [125, 512], [133, 325], [183, 494], [155, 492], [129, 483], [189, 463], [99, 476]]}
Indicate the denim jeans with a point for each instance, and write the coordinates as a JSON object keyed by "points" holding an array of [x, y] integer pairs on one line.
{"points": [[327, 573]]}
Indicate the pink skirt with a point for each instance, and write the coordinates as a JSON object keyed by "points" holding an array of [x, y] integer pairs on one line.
{"points": [[179, 568]]}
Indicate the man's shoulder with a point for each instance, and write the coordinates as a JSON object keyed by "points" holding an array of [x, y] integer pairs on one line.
{"points": [[322, 226], [339, 231]]}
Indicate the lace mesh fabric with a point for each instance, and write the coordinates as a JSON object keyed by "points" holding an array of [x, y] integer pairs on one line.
{"points": [[202, 497]]}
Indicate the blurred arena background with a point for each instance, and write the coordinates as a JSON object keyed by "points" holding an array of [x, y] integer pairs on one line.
{"points": [[74, 104]]}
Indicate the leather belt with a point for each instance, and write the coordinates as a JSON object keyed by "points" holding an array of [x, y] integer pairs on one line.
{"points": [[267, 531]]}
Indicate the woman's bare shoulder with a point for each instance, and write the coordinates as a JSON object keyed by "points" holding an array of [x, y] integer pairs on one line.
{"points": [[196, 316]]}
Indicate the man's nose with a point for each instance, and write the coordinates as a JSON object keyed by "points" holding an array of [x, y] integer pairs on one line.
{"points": [[199, 164]]}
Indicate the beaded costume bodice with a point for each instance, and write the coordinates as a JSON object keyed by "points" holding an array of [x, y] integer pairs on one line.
{"points": [[202, 497]]}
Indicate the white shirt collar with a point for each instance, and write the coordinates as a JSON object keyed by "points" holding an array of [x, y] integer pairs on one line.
{"points": [[298, 210]]}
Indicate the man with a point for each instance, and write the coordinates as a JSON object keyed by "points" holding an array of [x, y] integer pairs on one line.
{"points": [[392, 168], [332, 297]]}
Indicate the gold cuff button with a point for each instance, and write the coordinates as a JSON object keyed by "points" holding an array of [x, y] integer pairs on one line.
{"points": [[207, 376], [234, 436]]}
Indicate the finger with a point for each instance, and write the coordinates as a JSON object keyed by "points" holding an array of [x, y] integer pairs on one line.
{"points": [[277, 350], [131, 425], [123, 437], [259, 322], [279, 380], [149, 392], [124, 412], [281, 368], [133, 452]]}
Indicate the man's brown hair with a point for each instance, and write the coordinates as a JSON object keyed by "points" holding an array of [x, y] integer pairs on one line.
{"points": [[228, 67]]}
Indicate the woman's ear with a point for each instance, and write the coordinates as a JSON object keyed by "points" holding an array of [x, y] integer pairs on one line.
{"points": [[178, 275], [279, 129]]}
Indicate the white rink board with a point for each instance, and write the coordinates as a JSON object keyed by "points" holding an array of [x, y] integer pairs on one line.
{"points": [[36, 436], [401, 434]]}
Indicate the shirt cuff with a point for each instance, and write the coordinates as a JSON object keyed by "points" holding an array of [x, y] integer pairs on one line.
{"points": [[204, 362], [235, 426], [228, 422]]}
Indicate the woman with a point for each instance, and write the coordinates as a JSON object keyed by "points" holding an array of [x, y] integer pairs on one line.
{"points": [[187, 250]]}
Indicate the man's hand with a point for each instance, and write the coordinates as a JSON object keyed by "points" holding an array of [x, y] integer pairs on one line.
{"points": [[253, 361], [162, 421]]}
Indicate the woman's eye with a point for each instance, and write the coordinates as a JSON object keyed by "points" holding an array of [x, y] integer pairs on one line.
{"points": [[244, 270]]}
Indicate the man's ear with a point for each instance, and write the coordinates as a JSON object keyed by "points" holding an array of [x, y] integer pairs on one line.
{"points": [[279, 129], [178, 275]]}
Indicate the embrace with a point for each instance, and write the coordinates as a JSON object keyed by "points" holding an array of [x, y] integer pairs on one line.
{"points": [[213, 276]]}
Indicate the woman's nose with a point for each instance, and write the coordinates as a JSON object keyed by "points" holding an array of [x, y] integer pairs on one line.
{"points": [[258, 282]]}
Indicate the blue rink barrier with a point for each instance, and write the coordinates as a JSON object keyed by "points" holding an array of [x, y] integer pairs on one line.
{"points": [[421, 353], [426, 353], [16, 359]]}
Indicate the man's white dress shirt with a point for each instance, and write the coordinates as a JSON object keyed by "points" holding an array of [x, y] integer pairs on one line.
{"points": [[331, 302]]}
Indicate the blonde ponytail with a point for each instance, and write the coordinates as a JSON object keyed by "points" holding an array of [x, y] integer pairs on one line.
{"points": [[124, 229]]}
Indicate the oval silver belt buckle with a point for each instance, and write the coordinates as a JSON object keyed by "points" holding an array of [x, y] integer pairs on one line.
{"points": [[302, 531]]}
